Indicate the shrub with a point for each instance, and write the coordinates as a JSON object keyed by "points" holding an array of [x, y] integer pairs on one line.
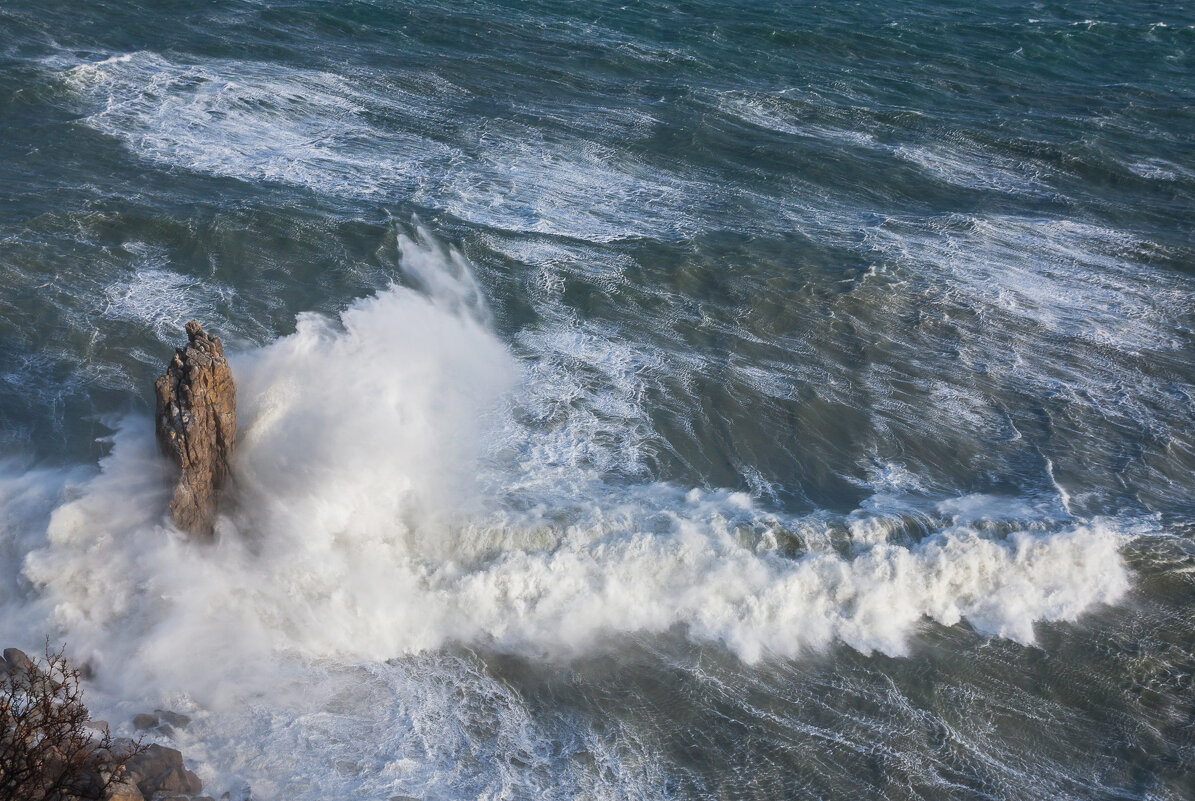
{"points": [[47, 750]]}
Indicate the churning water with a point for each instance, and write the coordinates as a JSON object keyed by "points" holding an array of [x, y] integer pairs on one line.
{"points": [[737, 401]]}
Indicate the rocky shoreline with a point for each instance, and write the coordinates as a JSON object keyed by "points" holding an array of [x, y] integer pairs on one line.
{"points": [[49, 745], [114, 768]]}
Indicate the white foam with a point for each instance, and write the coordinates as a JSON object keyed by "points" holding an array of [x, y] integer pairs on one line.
{"points": [[1156, 169], [432, 726], [255, 121], [522, 181], [970, 166], [952, 160], [1070, 278], [777, 113], [375, 519], [26, 499], [155, 297], [361, 529], [344, 560], [261, 122]]}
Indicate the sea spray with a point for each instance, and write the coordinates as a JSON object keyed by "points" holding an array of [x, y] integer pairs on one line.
{"points": [[372, 522], [824, 333]]}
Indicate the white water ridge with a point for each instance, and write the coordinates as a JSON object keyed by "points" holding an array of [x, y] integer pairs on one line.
{"points": [[800, 410], [371, 520]]}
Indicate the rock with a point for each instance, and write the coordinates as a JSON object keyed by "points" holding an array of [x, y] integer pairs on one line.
{"points": [[17, 661], [179, 780], [17, 668], [119, 747], [97, 725], [144, 721], [160, 770], [173, 718], [124, 791], [106, 759], [196, 427]]}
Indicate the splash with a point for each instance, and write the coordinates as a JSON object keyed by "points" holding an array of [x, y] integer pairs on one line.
{"points": [[374, 519]]}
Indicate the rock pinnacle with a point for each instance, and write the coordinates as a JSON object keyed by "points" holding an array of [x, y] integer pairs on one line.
{"points": [[196, 426]]}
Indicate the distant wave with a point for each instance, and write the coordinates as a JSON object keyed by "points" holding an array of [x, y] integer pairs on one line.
{"points": [[257, 121]]}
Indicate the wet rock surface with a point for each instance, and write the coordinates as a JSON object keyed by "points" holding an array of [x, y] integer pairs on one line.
{"points": [[144, 721], [162, 723], [15, 661], [196, 424], [154, 774], [137, 772], [160, 770]]}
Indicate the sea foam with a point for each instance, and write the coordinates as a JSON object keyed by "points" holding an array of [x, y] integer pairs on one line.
{"points": [[371, 519], [368, 138]]}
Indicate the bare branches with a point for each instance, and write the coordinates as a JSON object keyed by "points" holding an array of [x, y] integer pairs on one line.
{"points": [[47, 751]]}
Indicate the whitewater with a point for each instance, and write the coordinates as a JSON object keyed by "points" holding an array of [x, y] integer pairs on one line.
{"points": [[386, 505], [718, 402]]}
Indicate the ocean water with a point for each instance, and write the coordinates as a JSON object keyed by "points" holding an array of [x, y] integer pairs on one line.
{"points": [[709, 400]]}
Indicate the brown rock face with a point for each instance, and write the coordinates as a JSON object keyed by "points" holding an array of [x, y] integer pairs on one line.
{"points": [[159, 771], [197, 426]]}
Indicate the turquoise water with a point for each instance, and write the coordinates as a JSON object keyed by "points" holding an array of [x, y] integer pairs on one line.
{"points": [[638, 401]]}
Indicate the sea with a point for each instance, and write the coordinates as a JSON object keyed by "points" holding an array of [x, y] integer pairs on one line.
{"points": [[708, 399]]}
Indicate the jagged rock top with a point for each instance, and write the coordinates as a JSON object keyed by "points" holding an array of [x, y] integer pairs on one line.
{"points": [[196, 424]]}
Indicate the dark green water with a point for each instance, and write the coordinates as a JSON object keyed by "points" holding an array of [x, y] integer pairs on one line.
{"points": [[709, 400]]}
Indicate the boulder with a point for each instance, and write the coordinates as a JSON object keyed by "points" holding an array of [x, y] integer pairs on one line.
{"points": [[173, 718], [22, 671], [100, 726], [196, 423], [178, 780], [124, 791], [17, 661], [118, 748], [144, 721], [160, 770]]}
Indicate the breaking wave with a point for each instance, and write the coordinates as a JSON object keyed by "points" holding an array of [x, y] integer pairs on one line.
{"points": [[378, 513]]}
